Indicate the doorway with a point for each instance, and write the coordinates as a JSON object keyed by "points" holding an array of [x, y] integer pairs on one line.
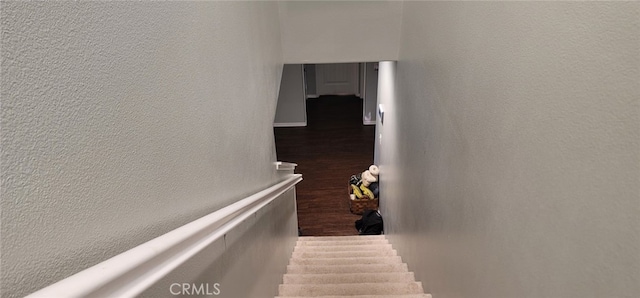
{"points": [[333, 144], [337, 79]]}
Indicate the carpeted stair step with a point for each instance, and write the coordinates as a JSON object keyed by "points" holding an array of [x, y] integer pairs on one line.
{"points": [[376, 247], [346, 261], [345, 254], [368, 296], [316, 269], [343, 243], [346, 278], [348, 267], [340, 238], [314, 290]]}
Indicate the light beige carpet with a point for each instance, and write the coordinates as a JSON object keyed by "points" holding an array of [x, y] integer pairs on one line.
{"points": [[348, 266]]}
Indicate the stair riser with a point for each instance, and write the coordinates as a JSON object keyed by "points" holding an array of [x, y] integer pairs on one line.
{"points": [[351, 289], [345, 261], [348, 278]]}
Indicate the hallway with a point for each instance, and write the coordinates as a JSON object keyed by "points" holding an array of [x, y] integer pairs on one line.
{"points": [[333, 146]]}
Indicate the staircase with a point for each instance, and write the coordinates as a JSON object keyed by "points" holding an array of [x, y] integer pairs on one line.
{"points": [[348, 266]]}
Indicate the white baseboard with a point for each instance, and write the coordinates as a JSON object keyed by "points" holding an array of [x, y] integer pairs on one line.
{"points": [[291, 124], [312, 96], [369, 122]]}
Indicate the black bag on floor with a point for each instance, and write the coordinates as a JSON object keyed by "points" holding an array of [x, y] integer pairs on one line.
{"points": [[370, 223]]}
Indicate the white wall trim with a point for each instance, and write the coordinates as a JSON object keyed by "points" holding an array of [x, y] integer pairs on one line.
{"points": [[130, 273], [368, 122], [290, 124]]}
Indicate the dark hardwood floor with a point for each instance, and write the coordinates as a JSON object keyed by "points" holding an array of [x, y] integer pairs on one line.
{"points": [[334, 145]]}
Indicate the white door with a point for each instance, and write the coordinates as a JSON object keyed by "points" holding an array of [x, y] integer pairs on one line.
{"points": [[337, 79]]}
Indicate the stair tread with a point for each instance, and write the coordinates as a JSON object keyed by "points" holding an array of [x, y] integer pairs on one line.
{"points": [[302, 269], [367, 247], [343, 242], [351, 289], [339, 238], [367, 296], [344, 254], [346, 261], [348, 278]]}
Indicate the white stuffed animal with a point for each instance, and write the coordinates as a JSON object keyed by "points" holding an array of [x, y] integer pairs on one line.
{"points": [[371, 175]]}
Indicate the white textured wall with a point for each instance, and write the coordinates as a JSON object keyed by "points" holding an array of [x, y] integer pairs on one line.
{"points": [[340, 31], [291, 109], [124, 120], [515, 167]]}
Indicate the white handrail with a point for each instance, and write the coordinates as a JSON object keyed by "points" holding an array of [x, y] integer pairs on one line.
{"points": [[286, 166], [131, 272]]}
